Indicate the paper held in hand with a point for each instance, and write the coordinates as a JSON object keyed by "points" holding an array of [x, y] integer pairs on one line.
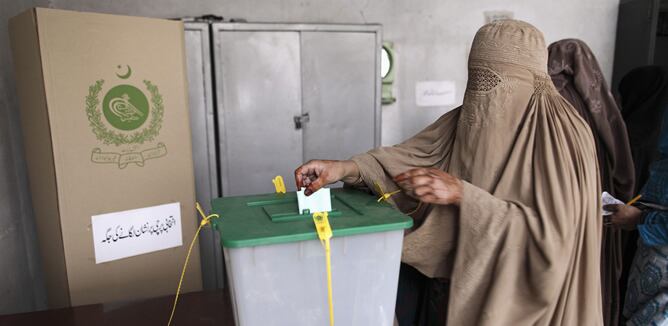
{"points": [[607, 199], [319, 201]]}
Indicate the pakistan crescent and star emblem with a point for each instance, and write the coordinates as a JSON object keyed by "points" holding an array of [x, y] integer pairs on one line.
{"points": [[126, 119]]}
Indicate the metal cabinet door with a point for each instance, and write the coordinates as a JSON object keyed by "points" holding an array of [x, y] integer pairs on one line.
{"points": [[341, 86], [202, 125], [259, 93]]}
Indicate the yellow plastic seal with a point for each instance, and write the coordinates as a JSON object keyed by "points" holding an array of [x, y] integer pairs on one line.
{"points": [[383, 195], [279, 184], [324, 234]]}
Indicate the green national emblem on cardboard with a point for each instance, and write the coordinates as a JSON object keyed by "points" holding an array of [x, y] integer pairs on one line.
{"points": [[125, 107], [124, 115]]}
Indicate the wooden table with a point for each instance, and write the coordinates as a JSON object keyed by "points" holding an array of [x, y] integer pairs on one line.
{"points": [[197, 308]]}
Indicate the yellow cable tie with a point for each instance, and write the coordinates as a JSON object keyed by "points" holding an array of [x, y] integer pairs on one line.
{"points": [[324, 234], [386, 196], [279, 184], [383, 195], [205, 220]]}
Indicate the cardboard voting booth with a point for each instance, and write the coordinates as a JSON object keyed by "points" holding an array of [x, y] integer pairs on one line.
{"points": [[104, 114]]}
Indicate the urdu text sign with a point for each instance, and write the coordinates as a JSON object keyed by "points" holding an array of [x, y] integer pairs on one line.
{"points": [[134, 232]]}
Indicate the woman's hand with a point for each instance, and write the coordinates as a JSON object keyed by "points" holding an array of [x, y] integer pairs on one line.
{"points": [[431, 186], [624, 216], [316, 174]]}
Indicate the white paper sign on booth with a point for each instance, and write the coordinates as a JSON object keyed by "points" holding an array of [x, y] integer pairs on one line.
{"points": [[134, 232]]}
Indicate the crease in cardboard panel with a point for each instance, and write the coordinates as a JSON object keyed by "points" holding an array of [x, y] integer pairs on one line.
{"points": [[53, 152]]}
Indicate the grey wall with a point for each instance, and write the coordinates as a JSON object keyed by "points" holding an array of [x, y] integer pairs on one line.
{"points": [[21, 287], [432, 40], [432, 37]]}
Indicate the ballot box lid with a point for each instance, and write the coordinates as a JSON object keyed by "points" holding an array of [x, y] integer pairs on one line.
{"points": [[247, 221]]}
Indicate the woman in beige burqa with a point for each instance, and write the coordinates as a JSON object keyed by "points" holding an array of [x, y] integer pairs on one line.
{"points": [[506, 189]]}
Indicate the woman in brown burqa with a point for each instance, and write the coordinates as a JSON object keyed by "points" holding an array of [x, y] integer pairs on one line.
{"points": [[578, 78], [507, 191]]}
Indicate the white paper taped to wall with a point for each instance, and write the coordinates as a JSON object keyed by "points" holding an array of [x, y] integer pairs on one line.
{"points": [[435, 93], [134, 232], [319, 201]]}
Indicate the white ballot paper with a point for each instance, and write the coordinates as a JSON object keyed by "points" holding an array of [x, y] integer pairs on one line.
{"points": [[319, 201], [607, 199]]}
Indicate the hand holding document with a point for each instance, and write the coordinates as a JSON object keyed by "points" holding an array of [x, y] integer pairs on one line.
{"points": [[607, 199]]}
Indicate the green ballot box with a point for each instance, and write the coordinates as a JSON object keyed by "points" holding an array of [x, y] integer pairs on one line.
{"points": [[276, 264]]}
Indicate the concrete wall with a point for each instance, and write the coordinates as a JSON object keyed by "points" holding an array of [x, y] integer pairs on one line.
{"points": [[431, 37]]}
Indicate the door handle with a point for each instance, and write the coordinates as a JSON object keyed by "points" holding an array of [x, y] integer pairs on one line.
{"points": [[300, 120]]}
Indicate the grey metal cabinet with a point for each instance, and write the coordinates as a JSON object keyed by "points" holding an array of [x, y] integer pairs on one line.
{"points": [[287, 93], [259, 94], [266, 97], [203, 129], [340, 81]]}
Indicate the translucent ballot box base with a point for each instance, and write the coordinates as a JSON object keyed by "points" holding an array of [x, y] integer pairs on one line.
{"points": [[285, 284]]}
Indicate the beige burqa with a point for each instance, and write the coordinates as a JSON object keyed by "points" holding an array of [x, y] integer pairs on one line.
{"points": [[523, 247]]}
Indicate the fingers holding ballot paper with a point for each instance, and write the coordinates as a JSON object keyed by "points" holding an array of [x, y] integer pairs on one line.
{"points": [[619, 215]]}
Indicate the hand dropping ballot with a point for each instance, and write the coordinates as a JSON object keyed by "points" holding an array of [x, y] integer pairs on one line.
{"points": [[319, 201]]}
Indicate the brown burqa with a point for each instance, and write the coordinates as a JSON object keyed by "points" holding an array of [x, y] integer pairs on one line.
{"points": [[523, 247], [578, 78]]}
